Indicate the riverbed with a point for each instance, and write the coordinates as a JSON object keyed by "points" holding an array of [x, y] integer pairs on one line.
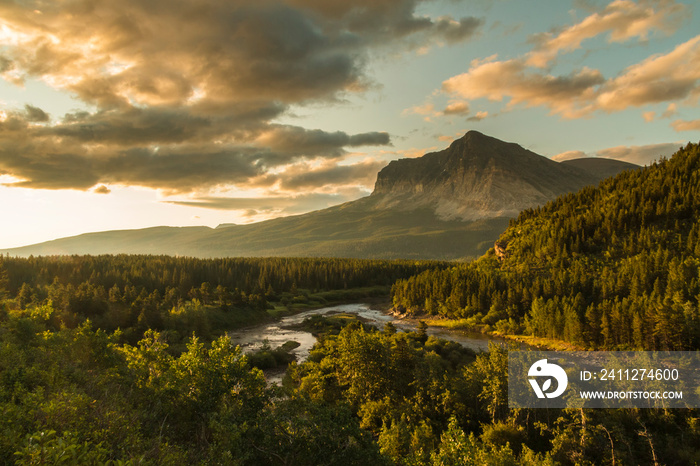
{"points": [[277, 333]]}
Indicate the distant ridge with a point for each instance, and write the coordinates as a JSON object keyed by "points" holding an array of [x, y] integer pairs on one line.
{"points": [[599, 167], [446, 205]]}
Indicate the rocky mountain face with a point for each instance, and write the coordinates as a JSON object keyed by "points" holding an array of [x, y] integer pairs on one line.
{"points": [[451, 204], [482, 177]]}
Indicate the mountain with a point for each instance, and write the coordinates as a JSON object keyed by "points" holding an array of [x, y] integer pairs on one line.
{"points": [[615, 266], [482, 177], [450, 204]]}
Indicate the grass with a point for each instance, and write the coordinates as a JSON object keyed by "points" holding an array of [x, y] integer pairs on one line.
{"points": [[452, 324], [549, 344]]}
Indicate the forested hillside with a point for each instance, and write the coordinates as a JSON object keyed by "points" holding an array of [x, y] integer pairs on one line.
{"points": [[613, 266]]}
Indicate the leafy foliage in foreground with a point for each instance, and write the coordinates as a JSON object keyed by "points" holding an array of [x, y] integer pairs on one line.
{"points": [[429, 401], [81, 396], [77, 396], [615, 266]]}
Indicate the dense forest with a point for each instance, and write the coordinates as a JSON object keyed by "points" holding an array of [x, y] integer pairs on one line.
{"points": [[612, 267], [182, 295]]}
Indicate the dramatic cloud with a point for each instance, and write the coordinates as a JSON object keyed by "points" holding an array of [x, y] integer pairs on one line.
{"points": [[670, 77], [661, 78], [495, 80], [621, 19], [639, 155], [299, 141], [82, 153], [182, 94], [179, 52]]}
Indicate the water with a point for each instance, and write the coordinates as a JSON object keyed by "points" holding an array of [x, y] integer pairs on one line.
{"points": [[276, 334]]}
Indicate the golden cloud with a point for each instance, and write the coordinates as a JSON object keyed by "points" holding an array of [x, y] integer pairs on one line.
{"points": [[670, 77], [184, 92], [621, 19]]}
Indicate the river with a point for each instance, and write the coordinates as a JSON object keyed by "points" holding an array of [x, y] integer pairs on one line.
{"points": [[277, 333]]}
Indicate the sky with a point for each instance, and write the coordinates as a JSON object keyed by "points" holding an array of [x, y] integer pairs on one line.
{"points": [[131, 114]]}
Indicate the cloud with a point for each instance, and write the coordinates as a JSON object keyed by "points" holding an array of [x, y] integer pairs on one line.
{"points": [[639, 155], [495, 80], [183, 95], [326, 175], [685, 125], [172, 152], [621, 20], [674, 76], [164, 53], [363, 174], [671, 111], [427, 110], [175, 153], [528, 80], [102, 189], [456, 108], [262, 208], [660, 78], [569, 155], [300, 141], [157, 148], [456, 31], [453, 108], [411, 153], [35, 114], [479, 116]]}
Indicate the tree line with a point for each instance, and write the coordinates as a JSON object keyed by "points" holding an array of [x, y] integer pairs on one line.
{"points": [[179, 296]]}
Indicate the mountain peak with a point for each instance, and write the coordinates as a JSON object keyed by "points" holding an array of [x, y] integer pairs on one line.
{"points": [[481, 145], [477, 176], [474, 134]]}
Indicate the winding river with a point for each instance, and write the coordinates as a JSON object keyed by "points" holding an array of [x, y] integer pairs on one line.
{"points": [[277, 333]]}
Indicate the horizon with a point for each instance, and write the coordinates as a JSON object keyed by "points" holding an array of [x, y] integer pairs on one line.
{"points": [[254, 111]]}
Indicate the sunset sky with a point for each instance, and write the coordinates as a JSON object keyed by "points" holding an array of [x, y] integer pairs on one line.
{"points": [[130, 114]]}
